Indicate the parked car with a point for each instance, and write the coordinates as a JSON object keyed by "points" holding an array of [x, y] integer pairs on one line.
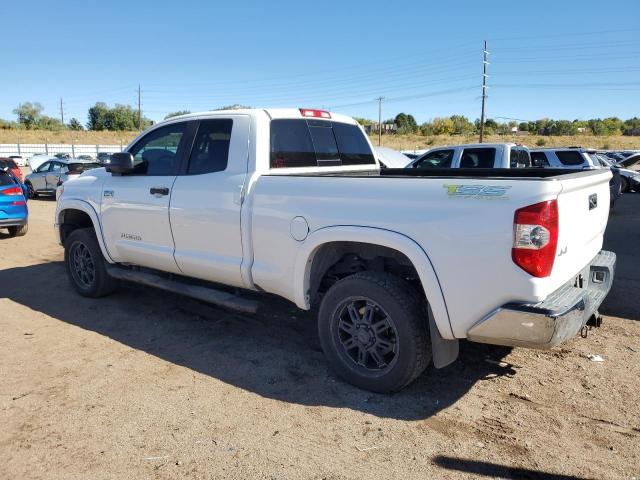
{"points": [[9, 164], [103, 157], [401, 262], [53, 173], [62, 156], [577, 158], [85, 157], [632, 162], [13, 205], [390, 158], [19, 159], [629, 179], [475, 155]]}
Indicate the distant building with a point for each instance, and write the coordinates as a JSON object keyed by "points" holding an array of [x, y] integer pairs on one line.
{"points": [[386, 128]]}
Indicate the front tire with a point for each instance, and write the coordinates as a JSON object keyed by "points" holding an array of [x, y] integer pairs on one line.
{"points": [[86, 266], [373, 331], [624, 185], [32, 192], [18, 230]]}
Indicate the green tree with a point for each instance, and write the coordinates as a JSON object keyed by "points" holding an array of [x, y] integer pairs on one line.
{"points": [[405, 123], [29, 114], [426, 129], [442, 126], [49, 123], [176, 114], [461, 125], [98, 116], [74, 124], [363, 121]]}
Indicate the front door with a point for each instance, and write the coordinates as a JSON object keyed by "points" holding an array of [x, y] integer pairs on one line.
{"points": [[135, 207], [38, 178], [53, 175], [206, 201]]}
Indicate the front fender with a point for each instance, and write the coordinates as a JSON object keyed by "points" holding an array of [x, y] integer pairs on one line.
{"points": [[75, 204], [375, 236]]}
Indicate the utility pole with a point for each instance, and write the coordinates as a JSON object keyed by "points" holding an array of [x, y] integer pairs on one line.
{"points": [[139, 110], [484, 88], [380, 99], [61, 112]]}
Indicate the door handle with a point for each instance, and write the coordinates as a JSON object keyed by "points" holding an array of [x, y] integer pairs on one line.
{"points": [[159, 191]]}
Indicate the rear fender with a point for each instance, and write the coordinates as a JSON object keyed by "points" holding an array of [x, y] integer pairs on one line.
{"points": [[375, 236]]}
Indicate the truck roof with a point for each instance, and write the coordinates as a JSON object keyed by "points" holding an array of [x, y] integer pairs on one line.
{"points": [[478, 145], [273, 113]]}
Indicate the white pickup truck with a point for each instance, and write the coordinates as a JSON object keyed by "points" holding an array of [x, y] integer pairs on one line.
{"points": [[401, 262], [475, 155]]}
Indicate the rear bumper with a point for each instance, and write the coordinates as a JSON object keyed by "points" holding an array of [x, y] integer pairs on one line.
{"points": [[12, 222], [557, 318]]}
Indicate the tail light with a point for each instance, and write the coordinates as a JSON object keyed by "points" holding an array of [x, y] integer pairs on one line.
{"points": [[11, 191], [535, 238]]}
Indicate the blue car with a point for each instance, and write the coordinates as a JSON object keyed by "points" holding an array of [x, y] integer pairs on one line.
{"points": [[13, 204]]}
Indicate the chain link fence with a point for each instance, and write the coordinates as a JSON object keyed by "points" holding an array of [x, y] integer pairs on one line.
{"points": [[30, 149]]}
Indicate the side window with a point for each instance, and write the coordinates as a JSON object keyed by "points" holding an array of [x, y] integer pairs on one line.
{"points": [[570, 158], [157, 152], [56, 166], [478, 158], [539, 159], [437, 159], [210, 152], [291, 145], [44, 167]]}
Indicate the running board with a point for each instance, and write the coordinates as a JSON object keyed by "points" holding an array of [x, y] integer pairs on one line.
{"points": [[209, 295]]}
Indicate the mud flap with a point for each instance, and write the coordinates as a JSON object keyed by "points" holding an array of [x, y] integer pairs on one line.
{"points": [[444, 351]]}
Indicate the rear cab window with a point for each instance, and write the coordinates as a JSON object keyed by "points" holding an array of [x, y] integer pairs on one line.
{"points": [[317, 143], [519, 158]]}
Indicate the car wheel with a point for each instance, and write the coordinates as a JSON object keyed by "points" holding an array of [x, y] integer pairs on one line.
{"points": [[373, 331], [624, 184], [32, 192], [18, 230], [85, 264]]}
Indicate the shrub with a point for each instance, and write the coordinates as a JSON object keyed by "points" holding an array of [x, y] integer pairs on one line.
{"points": [[541, 142]]}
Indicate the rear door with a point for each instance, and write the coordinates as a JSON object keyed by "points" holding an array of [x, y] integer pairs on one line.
{"points": [[206, 201], [135, 207], [479, 157]]}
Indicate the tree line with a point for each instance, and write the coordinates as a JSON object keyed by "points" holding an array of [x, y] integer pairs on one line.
{"points": [[125, 118], [461, 125]]}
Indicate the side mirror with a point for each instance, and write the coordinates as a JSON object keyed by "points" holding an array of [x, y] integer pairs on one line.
{"points": [[121, 162]]}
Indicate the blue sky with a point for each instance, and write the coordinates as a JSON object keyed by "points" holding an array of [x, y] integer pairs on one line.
{"points": [[561, 59]]}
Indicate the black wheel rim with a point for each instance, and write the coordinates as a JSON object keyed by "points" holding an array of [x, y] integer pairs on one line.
{"points": [[82, 267], [366, 335]]}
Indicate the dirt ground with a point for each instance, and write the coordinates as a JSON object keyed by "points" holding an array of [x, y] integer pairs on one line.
{"points": [[144, 384]]}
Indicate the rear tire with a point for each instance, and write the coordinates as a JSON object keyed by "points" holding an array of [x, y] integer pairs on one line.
{"points": [[374, 332], [86, 266], [18, 230]]}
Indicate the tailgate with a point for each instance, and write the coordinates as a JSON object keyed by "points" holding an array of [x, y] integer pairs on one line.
{"points": [[583, 209]]}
